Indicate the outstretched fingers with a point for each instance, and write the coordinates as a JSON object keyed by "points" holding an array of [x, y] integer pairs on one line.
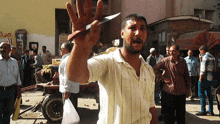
{"points": [[80, 9], [71, 13], [99, 10], [88, 9]]}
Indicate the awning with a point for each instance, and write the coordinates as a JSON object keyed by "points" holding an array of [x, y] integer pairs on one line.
{"points": [[193, 40]]}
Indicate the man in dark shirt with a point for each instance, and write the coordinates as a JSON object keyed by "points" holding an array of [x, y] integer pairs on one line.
{"points": [[177, 85]]}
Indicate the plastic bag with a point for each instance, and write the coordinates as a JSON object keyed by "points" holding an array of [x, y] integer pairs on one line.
{"points": [[70, 115], [17, 109]]}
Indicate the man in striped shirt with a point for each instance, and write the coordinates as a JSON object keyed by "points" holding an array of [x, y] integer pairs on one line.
{"points": [[207, 67], [126, 81]]}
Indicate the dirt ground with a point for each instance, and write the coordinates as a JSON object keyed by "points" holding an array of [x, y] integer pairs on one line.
{"points": [[90, 116]]}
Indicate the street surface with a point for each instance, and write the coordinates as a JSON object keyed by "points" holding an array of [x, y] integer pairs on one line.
{"points": [[88, 116]]}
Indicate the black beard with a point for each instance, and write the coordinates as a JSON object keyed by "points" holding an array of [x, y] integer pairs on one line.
{"points": [[131, 50]]}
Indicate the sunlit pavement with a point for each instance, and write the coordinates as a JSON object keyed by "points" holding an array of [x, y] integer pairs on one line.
{"points": [[91, 116]]}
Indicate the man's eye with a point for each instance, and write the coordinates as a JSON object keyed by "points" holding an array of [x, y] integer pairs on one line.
{"points": [[143, 28], [132, 28]]}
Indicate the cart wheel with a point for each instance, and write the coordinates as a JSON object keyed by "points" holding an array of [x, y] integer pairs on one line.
{"points": [[53, 108]]}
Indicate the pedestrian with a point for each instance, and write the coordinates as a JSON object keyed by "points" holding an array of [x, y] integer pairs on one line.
{"points": [[68, 88], [9, 83], [151, 59], [25, 68], [37, 65], [192, 65], [177, 85], [207, 66], [38, 61], [126, 82], [46, 56], [158, 57], [217, 74], [14, 54], [217, 96], [167, 51]]}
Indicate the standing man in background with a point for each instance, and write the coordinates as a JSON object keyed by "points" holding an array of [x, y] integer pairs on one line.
{"points": [[14, 54], [177, 85], [68, 88], [9, 83], [207, 67], [38, 61], [151, 59], [25, 67], [192, 65], [46, 56], [218, 67], [167, 51]]}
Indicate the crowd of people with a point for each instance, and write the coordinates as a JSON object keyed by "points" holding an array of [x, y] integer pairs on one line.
{"points": [[178, 77]]}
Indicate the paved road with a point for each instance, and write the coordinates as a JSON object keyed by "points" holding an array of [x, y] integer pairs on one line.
{"points": [[91, 116]]}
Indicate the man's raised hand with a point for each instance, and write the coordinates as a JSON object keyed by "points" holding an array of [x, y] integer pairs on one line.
{"points": [[84, 18]]}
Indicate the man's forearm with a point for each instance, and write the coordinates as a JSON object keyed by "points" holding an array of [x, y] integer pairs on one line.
{"points": [[201, 77], [77, 70]]}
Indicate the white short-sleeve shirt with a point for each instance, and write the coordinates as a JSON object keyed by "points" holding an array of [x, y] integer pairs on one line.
{"points": [[125, 98]]}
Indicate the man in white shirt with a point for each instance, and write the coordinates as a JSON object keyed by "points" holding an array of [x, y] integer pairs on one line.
{"points": [[9, 83], [126, 82], [46, 56], [68, 88]]}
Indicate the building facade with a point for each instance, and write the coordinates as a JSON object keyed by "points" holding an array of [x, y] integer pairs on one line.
{"points": [[47, 22]]}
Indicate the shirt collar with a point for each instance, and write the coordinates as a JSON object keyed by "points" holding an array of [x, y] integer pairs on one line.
{"points": [[1, 58], [64, 56], [119, 57]]}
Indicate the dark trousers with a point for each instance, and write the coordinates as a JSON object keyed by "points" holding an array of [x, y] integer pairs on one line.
{"points": [[27, 77], [194, 88], [174, 108], [7, 100]]}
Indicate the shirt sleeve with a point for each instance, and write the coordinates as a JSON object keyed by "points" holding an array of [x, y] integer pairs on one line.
{"points": [[203, 65], [158, 67], [65, 83], [152, 103], [97, 67], [187, 77], [18, 76]]}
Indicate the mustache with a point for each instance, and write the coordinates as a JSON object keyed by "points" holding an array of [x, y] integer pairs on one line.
{"points": [[137, 40]]}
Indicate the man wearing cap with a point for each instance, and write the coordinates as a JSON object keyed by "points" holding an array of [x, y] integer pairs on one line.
{"points": [[151, 59]]}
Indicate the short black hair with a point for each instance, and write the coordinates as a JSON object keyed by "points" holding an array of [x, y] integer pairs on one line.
{"points": [[26, 51], [177, 47], [132, 17], [35, 51], [13, 47], [204, 47], [68, 46], [44, 47]]}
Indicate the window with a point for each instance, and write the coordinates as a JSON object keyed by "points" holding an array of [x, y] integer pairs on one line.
{"points": [[209, 14]]}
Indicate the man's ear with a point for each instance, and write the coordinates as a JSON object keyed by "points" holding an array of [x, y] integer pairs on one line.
{"points": [[122, 33]]}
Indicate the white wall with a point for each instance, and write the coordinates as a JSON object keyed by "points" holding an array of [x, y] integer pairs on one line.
{"points": [[42, 40]]}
